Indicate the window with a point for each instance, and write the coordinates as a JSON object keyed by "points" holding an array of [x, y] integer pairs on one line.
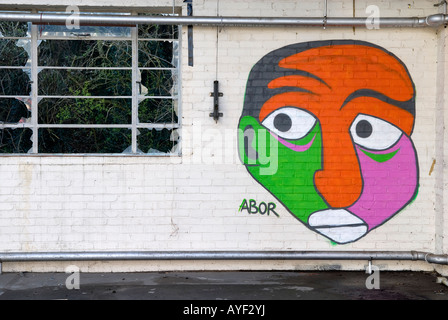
{"points": [[92, 90]]}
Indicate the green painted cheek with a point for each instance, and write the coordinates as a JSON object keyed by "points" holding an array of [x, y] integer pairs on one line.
{"points": [[380, 157], [287, 174]]}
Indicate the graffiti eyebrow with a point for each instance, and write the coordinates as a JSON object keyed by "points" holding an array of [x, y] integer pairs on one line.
{"points": [[306, 74], [291, 89], [405, 105], [313, 76], [296, 82]]}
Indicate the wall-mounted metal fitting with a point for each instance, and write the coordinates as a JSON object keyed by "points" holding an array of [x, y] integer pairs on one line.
{"points": [[436, 20], [216, 94], [190, 33]]}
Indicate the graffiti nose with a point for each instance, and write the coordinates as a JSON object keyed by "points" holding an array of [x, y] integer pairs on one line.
{"points": [[340, 180]]}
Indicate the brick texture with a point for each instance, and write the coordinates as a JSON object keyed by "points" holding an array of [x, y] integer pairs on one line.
{"points": [[193, 202]]}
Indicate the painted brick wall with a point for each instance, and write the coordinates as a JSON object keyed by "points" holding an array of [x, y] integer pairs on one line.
{"points": [[442, 221], [193, 202]]}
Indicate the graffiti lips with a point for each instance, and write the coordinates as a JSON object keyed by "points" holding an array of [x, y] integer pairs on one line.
{"points": [[338, 224]]}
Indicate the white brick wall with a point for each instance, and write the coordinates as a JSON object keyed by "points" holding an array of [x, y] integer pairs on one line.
{"points": [[191, 202], [441, 190]]}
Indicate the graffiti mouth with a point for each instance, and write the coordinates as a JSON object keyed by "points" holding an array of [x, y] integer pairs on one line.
{"points": [[338, 225]]}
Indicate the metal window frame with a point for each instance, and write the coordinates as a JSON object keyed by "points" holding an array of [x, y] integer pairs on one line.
{"points": [[136, 98]]}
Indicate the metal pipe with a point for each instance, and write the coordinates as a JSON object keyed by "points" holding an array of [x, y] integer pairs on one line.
{"points": [[224, 255], [127, 20]]}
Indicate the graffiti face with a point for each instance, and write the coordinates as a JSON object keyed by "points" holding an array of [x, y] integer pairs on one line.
{"points": [[332, 120]]}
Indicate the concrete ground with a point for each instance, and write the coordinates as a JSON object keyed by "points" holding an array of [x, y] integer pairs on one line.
{"points": [[191, 286]]}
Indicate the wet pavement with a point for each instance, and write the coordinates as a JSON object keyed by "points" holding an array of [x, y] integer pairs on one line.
{"points": [[219, 286]]}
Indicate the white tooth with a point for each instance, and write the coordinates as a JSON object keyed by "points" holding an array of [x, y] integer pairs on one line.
{"points": [[333, 217], [343, 235]]}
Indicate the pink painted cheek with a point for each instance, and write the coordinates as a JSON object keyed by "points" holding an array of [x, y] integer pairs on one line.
{"points": [[387, 187], [292, 146]]}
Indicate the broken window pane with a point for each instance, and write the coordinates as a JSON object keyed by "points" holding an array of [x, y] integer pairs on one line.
{"points": [[85, 53], [14, 82], [154, 141], [13, 111], [15, 140], [85, 82], [158, 32], [158, 83], [13, 29], [157, 111], [84, 31], [155, 54], [85, 111], [85, 88], [12, 54], [88, 140]]}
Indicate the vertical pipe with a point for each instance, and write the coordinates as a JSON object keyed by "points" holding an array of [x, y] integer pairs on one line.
{"points": [[190, 33], [34, 88], [325, 15], [135, 87], [179, 90], [440, 153], [354, 14], [217, 41]]}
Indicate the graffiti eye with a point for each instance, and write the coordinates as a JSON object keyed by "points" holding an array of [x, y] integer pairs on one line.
{"points": [[373, 133], [290, 123]]}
